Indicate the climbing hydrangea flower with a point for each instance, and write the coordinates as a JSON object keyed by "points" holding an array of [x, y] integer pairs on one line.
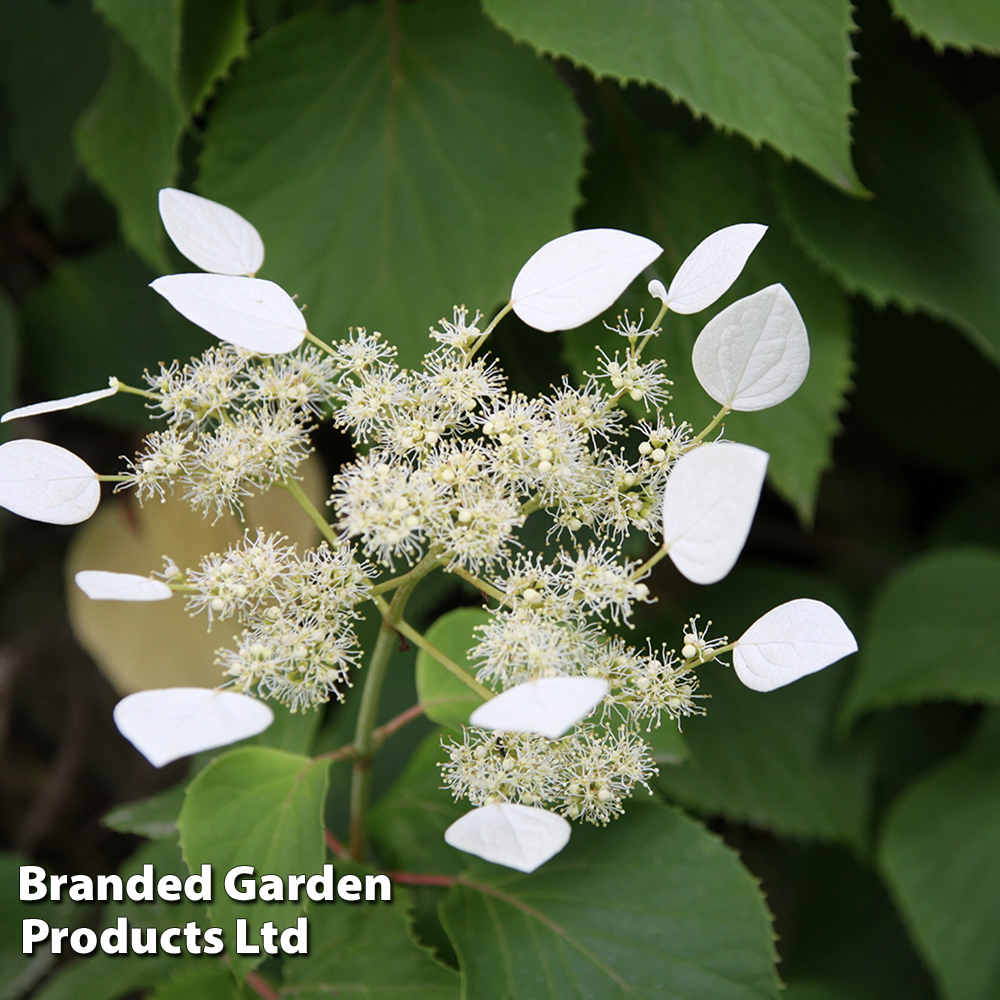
{"points": [[449, 465]]}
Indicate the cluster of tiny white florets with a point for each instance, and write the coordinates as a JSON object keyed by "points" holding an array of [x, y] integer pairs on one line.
{"points": [[586, 775], [236, 424], [298, 640], [450, 465]]}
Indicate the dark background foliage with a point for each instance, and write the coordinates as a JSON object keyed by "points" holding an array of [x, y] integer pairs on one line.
{"points": [[401, 158]]}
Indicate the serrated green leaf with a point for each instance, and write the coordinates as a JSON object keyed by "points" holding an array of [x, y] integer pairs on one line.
{"points": [[787, 75], [95, 317], [445, 699], [394, 169], [259, 807], [940, 853], [54, 59], [108, 977], [678, 194], [930, 237], [155, 817], [934, 634], [651, 906], [368, 950], [214, 35], [127, 141], [408, 823], [770, 760], [205, 981], [964, 24]]}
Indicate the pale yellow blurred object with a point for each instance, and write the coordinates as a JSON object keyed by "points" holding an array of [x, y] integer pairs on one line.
{"points": [[158, 644]]}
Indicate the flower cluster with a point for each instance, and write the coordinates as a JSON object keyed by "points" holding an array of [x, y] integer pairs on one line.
{"points": [[450, 463]]}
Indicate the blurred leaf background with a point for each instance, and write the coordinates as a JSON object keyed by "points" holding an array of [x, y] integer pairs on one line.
{"points": [[402, 157]]}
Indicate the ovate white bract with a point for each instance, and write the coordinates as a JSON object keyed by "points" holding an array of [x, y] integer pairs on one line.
{"points": [[102, 585], [211, 235], [549, 706], [576, 277], [708, 506], [520, 837], [251, 313], [66, 403], [171, 723], [47, 483], [710, 269], [789, 642], [755, 353]]}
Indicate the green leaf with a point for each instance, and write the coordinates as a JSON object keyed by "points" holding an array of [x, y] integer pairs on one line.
{"points": [[846, 932], [108, 977], [963, 24], [155, 817], [445, 699], [152, 29], [199, 982], [934, 634], [787, 76], [291, 731], [214, 36], [396, 160], [651, 906], [95, 317], [259, 807], [770, 759], [930, 238], [408, 823], [678, 194], [367, 950], [940, 852], [54, 59], [127, 140]]}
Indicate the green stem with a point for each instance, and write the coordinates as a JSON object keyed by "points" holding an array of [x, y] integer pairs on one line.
{"points": [[711, 427], [404, 628], [364, 741], [418, 572], [122, 387], [114, 479], [653, 330], [313, 339], [493, 323], [649, 563], [306, 504], [480, 585]]}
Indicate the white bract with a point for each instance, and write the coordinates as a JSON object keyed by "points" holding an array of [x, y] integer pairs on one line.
{"points": [[211, 235], [576, 277], [101, 585], [251, 313], [47, 483], [66, 403], [755, 353], [171, 723], [520, 837], [789, 642], [549, 707], [708, 507], [710, 269]]}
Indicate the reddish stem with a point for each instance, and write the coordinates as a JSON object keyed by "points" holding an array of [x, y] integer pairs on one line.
{"points": [[261, 986], [412, 878], [336, 847], [384, 732]]}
